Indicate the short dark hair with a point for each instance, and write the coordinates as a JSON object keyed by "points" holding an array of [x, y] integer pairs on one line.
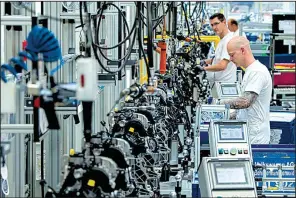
{"points": [[233, 22], [220, 16]]}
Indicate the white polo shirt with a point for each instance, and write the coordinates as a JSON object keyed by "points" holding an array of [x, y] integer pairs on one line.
{"points": [[257, 79], [229, 74]]}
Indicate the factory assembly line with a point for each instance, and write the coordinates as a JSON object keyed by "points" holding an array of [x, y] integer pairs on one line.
{"points": [[133, 99]]}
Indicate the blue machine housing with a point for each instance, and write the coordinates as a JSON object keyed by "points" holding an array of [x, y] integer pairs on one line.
{"points": [[274, 154]]}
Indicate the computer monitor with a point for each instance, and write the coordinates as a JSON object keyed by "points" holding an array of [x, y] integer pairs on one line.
{"points": [[223, 177], [230, 173], [229, 89], [230, 132], [225, 90]]}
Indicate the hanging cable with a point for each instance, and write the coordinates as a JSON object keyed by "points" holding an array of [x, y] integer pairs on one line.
{"points": [[10, 69], [185, 13], [128, 37], [126, 56], [141, 44], [125, 23], [157, 20], [161, 17], [150, 35]]}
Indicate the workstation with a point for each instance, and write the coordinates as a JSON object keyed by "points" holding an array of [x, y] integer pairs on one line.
{"points": [[147, 99]]}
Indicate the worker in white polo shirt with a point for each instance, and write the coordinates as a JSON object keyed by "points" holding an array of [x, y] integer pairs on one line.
{"points": [[220, 68], [254, 104]]}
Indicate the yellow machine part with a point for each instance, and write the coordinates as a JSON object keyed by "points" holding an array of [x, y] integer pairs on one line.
{"points": [[214, 39], [143, 72]]}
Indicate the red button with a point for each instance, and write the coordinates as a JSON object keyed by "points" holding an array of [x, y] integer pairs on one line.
{"points": [[82, 80], [24, 45], [245, 151]]}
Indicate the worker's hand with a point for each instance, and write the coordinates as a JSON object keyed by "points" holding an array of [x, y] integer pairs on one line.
{"points": [[199, 68], [203, 63]]}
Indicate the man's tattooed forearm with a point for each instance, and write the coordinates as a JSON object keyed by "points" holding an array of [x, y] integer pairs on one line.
{"points": [[242, 102]]}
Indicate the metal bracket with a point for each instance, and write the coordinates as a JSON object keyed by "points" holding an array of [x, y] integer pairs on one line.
{"points": [[17, 128], [282, 36], [16, 20], [75, 16], [106, 79], [59, 110]]}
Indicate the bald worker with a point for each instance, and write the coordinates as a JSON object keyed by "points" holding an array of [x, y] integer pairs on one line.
{"points": [[232, 25], [254, 104]]}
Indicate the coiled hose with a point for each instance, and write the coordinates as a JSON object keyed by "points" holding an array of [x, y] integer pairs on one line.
{"points": [[40, 40]]}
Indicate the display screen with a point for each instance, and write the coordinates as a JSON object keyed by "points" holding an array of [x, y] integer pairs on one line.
{"points": [[207, 116], [231, 175], [231, 132], [229, 90]]}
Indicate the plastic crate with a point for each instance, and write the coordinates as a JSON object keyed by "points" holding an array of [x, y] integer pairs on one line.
{"points": [[282, 126]]}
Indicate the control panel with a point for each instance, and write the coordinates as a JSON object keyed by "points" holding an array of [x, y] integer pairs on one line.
{"points": [[226, 90], [204, 114], [229, 139], [224, 177]]}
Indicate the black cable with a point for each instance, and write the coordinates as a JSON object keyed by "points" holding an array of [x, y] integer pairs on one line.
{"points": [[150, 35], [42, 182], [142, 18], [140, 27], [87, 53], [189, 8], [186, 19], [161, 17], [85, 6], [156, 8], [97, 46], [199, 10], [124, 63], [198, 34], [141, 45], [157, 24], [95, 52], [125, 23], [128, 53], [130, 44], [80, 15], [155, 19]]}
